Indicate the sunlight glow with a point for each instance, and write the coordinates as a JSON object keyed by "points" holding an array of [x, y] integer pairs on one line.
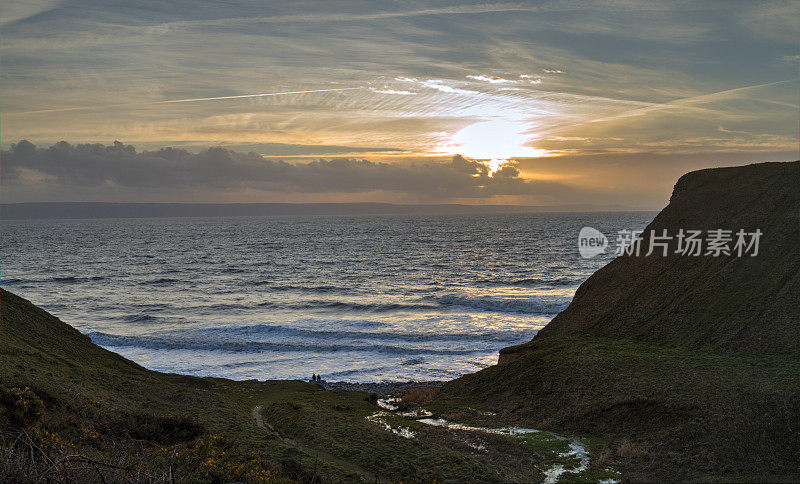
{"points": [[496, 140]]}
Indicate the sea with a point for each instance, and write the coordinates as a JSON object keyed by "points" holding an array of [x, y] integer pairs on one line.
{"points": [[351, 298]]}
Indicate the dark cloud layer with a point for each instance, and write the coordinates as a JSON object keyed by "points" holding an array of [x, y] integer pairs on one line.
{"points": [[89, 167]]}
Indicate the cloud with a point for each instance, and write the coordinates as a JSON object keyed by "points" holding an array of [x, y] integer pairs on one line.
{"points": [[354, 17], [87, 167], [437, 84], [123, 58], [491, 80], [394, 91], [776, 20], [789, 59], [531, 79], [16, 11], [523, 78]]}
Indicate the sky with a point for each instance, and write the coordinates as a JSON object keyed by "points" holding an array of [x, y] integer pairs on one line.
{"points": [[534, 103]]}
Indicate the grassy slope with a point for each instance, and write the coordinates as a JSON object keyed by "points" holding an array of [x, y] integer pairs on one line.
{"points": [[721, 303], [88, 390], [693, 363]]}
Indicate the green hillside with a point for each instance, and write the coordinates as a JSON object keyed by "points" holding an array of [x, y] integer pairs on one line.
{"points": [[71, 411], [105, 408], [726, 303], [693, 363]]}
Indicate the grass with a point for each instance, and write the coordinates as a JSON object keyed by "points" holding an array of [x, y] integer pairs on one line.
{"points": [[679, 415], [129, 423]]}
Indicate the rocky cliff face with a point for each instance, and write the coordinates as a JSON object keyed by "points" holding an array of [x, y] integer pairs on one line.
{"points": [[726, 303]]}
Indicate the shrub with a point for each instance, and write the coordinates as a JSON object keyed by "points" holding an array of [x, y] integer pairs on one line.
{"points": [[211, 458], [20, 408], [159, 429]]}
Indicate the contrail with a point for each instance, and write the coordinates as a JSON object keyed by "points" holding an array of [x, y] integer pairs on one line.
{"points": [[188, 100], [687, 102], [253, 95]]}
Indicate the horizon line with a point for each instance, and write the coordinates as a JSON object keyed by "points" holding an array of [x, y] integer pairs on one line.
{"points": [[98, 210]]}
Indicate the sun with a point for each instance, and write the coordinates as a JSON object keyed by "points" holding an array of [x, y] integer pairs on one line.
{"points": [[495, 141]]}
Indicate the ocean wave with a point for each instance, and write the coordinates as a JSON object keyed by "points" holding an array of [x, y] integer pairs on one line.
{"points": [[528, 305], [234, 270], [530, 282], [273, 331], [77, 279], [160, 281], [139, 318], [301, 288], [320, 304], [161, 343], [355, 372], [58, 279], [349, 306], [369, 307], [413, 361], [536, 304]]}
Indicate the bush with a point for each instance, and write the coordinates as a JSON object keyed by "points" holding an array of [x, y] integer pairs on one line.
{"points": [[20, 408], [159, 429], [211, 458]]}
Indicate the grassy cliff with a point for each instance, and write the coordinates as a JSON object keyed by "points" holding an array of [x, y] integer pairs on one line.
{"points": [[691, 364], [744, 305]]}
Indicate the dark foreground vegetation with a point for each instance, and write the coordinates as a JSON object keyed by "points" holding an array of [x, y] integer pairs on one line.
{"points": [[676, 368]]}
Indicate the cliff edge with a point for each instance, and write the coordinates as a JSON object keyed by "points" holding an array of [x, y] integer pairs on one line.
{"points": [[729, 303]]}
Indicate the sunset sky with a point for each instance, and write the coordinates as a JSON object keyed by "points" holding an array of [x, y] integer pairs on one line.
{"points": [[567, 102]]}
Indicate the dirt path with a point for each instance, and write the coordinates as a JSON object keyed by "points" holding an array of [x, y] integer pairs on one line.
{"points": [[350, 466], [260, 421]]}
